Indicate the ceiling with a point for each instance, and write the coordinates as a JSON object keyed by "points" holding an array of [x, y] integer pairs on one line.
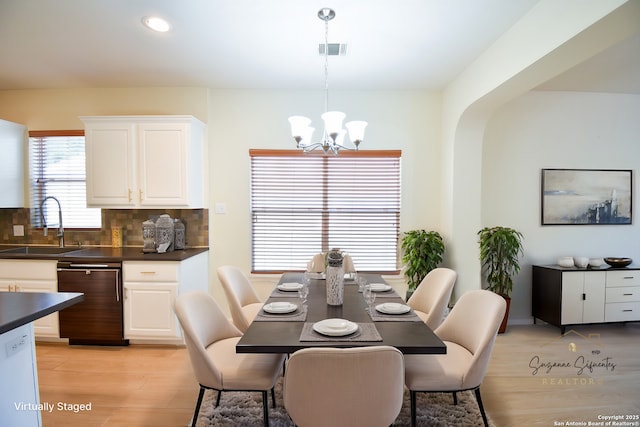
{"points": [[257, 44]]}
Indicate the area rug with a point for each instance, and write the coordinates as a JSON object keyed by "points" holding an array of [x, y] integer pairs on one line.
{"points": [[245, 409]]}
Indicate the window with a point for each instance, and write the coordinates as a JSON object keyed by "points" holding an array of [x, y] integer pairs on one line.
{"points": [[57, 168], [302, 204]]}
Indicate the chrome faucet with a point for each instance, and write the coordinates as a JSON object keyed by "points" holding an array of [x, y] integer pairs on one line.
{"points": [[60, 233]]}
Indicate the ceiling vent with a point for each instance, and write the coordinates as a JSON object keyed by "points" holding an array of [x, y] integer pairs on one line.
{"points": [[334, 49]]}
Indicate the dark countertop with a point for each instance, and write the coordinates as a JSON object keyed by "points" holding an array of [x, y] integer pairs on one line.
{"points": [[107, 254], [20, 308]]}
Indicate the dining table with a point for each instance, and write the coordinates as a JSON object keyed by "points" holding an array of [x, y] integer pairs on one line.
{"points": [[288, 332]]}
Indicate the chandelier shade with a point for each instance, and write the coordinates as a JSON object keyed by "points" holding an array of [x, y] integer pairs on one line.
{"points": [[333, 133]]}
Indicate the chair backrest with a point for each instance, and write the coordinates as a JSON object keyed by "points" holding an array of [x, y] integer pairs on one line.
{"points": [[203, 324], [473, 324], [316, 264], [239, 292], [432, 295], [348, 387]]}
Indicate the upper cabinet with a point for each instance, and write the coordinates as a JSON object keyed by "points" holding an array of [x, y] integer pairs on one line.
{"points": [[12, 176], [145, 162]]}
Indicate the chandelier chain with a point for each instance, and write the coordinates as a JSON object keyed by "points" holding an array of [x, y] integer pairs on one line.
{"points": [[326, 66]]}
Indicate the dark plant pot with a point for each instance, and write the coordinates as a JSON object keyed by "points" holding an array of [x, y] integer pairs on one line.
{"points": [[503, 325]]}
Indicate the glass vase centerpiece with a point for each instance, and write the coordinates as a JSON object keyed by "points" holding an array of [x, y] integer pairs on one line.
{"points": [[335, 277]]}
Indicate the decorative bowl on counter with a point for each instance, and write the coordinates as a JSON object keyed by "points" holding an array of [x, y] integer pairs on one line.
{"points": [[617, 262], [565, 261], [581, 261], [595, 262]]}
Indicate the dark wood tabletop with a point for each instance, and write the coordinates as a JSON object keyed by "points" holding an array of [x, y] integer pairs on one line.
{"points": [[284, 336]]}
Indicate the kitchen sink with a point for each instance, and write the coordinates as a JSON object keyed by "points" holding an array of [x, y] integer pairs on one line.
{"points": [[38, 250]]}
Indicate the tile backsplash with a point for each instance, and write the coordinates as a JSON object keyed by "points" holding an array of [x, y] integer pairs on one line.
{"points": [[130, 220]]}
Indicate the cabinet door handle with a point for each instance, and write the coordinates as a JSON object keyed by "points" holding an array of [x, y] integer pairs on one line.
{"points": [[626, 311], [584, 297], [117, 286], [147, 272], [130, 195], [140, 194], [628, 277], [627, 295]]}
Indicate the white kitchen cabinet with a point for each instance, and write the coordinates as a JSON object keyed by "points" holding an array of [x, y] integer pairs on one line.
{"points": [[19, 373], [150, 291], [564, 297], [12, 176], [145, 162], [32, 276]]}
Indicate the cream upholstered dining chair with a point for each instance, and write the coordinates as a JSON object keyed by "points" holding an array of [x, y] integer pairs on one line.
{"points": [[211, 343], [350, 387], [429, 300], [243, 300], [469, 333]]}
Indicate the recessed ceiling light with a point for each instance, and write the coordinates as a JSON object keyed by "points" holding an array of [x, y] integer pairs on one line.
{"points": [[156, 24]]}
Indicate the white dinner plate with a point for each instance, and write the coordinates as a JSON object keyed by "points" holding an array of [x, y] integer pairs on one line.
{"points": [[279, 307], [335, 327], [289, 287], [393, 308], [380, 287]]}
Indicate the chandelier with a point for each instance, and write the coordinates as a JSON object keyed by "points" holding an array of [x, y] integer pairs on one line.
{"points": [[333, 134]]}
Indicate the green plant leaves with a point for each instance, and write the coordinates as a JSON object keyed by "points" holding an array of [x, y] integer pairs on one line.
{"points": [[500, 248], [422, 252]]}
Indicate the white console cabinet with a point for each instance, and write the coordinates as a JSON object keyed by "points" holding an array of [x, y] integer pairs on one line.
{"points": [[563, 297], [150, 291], [622, 296], [145, 162]]}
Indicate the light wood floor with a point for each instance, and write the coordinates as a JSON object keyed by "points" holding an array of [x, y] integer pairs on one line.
{"points": [[153, 386]]}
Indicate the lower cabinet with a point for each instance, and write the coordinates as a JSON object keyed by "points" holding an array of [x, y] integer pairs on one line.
{"points": [[622, 296], [564, 297], [150, 291], [19, 373], [149, 310], [32, 276]]}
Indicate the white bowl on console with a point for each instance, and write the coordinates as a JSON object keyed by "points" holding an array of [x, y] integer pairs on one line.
{"points": [[565, 261], [595, 262], [581, 261]]}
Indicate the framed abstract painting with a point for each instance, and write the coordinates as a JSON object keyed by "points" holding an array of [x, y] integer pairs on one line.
{"points": [[586, 196]]}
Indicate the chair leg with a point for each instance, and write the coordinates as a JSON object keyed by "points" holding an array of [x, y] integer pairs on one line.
{"points": [[412, 395], [273, 396], [484, 415], [455, 398], [218, 398], [265, 408], [195, 414]]}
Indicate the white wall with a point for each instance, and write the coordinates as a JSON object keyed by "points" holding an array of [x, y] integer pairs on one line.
{"points": [[557, 130], [244, 119]]}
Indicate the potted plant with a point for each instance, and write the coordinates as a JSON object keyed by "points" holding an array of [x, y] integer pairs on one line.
{"points": [[422, 251], [500, 248]]}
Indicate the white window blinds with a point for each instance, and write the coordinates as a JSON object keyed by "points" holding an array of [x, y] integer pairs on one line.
{"points": [[302, 204], [57, 168]]}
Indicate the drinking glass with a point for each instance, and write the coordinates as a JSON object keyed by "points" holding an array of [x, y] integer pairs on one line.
{"points": [[369, 297], [306, 278], [303, 293], [362, 283]]}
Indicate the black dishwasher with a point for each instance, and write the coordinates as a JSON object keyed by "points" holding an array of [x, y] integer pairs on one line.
{"points": [[98, 319]]}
